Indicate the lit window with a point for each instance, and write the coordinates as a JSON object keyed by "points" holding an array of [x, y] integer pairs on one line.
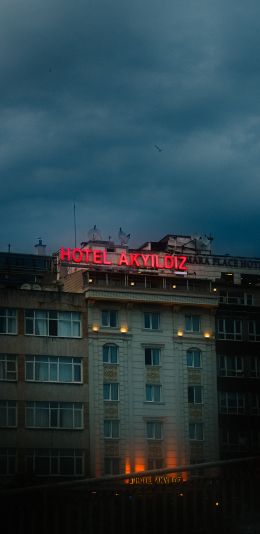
{"points": [[53, 369], [8, 413], [194, 358], [154, 430], [152, 356], [111, 392], [8, 368], [52, 323], [54, 415], [230, 329], [111, 428], [192, 323], [110, 354], [109, 318], [53, 462], [153, 393], [8, 321], [196, 431], [195, 394], [151, 320]]}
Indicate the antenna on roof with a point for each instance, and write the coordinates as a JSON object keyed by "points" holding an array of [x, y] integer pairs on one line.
{"points": [[75, 226]]}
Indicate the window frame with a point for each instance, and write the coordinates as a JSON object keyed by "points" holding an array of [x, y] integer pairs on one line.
{"points": [[190, 328], [236, 335], [196, 431], [114, 465], [6, 359], [226, 401], [50, 361], [194, 389], [152, 356], [54, 411], [235, 371], [110, 395], [9, 411], [55, 458], [150, 316], [110, 346], [153, 388], [49, 321], [190, 351], [107, 323], [113, 429], [7, 319], [154, 430]]}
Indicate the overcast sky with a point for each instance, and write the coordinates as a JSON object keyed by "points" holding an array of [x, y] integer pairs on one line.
{"points": [[89, 87]]}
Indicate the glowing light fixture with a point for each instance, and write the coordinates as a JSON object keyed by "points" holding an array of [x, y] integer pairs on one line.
{"points": [[95, 327], [214, 289], [174, 286], [207, 334], [123, 329], [180, 333], [132, 283], [90, 280]]}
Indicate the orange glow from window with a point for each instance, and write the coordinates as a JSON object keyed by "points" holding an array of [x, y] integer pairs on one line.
{"points": [[127, 467]]}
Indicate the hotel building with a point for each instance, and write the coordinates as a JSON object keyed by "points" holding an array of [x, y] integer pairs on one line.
{"points": [[124, 360]]}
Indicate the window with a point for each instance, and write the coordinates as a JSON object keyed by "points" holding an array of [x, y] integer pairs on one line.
{"points": [[152, 320], [254, 330], [230, 329], [196, 431], [8, 321], [192, 323], [111, 466], [8, 369], [155, 463], [154, 430], [53, 369], [231, 402], [254, 403], [110, 354], [7, 461], [194, 358], [254, 369], [62, 462], [231, 366], [52, 323], [7, 413], [109, 318], [152, 356], [111, 428], [195, 394], [153, 393], [111, 392], [54, 415], [234, 438]]}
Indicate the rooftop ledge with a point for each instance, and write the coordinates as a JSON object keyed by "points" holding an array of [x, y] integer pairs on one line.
{"points": [[151, 297]]}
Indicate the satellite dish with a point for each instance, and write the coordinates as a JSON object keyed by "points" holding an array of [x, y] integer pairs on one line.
{"points": [[94, 234], [25, 286], [123, 237], [36, 286]]}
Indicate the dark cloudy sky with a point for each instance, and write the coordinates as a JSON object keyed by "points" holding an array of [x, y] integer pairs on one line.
{"points": [[89, 87]]}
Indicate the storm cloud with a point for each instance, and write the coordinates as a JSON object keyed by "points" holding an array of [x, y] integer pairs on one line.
{"points": [[88, 88]]}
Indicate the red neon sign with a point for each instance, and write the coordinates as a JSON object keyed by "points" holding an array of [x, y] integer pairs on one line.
{"points": [[136, 259]]}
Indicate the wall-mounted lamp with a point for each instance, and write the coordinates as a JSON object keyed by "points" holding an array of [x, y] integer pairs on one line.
{"points": [[132, 283], [174, 286], [90, 280], [207, 334], [123, 329], [214, 289], [95, 327], [180, 333]]}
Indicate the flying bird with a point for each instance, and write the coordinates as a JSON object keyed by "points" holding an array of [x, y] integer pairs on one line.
{"points": [[158, 148], [123, 237]]}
